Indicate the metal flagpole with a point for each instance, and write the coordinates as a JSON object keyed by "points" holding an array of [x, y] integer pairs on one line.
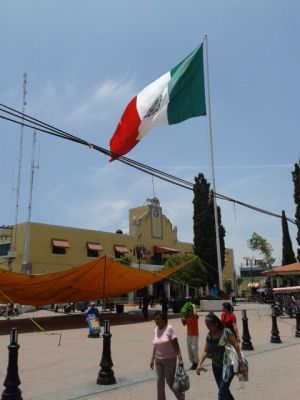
{"points": [[213, 168]]}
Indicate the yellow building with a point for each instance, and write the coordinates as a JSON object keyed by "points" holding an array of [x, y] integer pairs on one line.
{"points": [[52, 248]]}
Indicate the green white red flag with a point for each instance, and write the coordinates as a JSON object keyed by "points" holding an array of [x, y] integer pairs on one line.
{"points": [[174, 97]]}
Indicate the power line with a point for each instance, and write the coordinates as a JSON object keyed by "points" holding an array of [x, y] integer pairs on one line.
{"points": [[14, 116]]}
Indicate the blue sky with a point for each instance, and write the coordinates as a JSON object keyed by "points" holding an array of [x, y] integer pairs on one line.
{"points": [[84, 64]]}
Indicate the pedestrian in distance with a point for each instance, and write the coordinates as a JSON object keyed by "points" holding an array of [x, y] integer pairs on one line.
{"points": [[218, 336], [151, 300], [166, 350], [228, 319], [191, 323], [9, 310], [145, 307], [164, 304], [233, 297]]}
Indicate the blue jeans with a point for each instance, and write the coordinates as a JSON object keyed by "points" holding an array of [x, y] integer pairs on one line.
{"points": [[224, 392]]}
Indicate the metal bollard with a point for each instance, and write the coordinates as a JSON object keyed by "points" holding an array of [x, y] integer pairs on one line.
{"points": [[275, 338], [12, 380], [297, 331], [246, 338], [106, 374]]}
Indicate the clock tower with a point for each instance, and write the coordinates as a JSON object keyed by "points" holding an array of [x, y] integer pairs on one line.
{"points": [[156, 221]]}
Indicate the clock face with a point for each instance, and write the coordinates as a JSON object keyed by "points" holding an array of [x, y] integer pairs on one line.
{"points": [[156, 213]]}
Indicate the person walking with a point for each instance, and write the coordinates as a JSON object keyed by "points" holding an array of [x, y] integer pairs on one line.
{"points": [[145, 307], [233, 297], [228, 319], [218, 336], [166, 350], [9, 310], [191, 323], [151, 300], [164, 304]]}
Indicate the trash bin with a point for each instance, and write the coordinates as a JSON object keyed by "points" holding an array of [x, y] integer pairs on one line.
{"points": [[119, 308]]}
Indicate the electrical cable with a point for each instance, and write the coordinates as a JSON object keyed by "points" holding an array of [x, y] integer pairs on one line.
{"points": [[41, 126]]}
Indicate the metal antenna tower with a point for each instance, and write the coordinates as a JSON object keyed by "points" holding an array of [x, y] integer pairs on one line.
{"points": [[20, 162], [26, 265], [153, 190]]}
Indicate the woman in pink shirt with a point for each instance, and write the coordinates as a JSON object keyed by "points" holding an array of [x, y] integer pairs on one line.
{"points": [[165, 352]]}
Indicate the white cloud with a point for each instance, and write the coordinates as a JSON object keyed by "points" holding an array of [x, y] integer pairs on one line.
{"points": [[100, 101], [69, 105]]}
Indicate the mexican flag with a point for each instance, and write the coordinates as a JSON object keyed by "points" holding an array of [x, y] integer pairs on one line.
{"points": [[174, 97]]}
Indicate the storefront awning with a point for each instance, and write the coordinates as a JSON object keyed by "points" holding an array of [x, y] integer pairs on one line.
{"points": [[164, 250], [121, 249], [60, 243], [94, 246]]}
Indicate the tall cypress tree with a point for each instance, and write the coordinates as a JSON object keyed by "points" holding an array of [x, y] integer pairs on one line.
{"points": [[288, 255], [204, 229], [296, 180]]}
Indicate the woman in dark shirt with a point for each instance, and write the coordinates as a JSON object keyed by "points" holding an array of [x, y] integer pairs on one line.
{"points": [[216, 340]]}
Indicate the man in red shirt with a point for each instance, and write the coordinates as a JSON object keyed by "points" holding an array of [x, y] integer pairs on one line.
{"points": [[191, 322]]}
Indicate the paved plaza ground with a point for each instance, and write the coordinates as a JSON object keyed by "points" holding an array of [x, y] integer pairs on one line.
{"points": [[69, 371]]}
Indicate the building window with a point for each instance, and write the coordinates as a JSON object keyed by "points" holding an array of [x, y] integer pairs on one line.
{"points": [[120, 251], [59, 246], [4, 249], [93, 249]]}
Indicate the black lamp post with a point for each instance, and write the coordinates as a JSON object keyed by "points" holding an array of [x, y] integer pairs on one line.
{"points": [[246, 338], [297, 331], [106, 374], [12, 380], [275, 338]]}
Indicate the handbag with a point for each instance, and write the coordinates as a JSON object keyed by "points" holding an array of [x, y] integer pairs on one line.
{"points": [[181, 380], [231, 360]]}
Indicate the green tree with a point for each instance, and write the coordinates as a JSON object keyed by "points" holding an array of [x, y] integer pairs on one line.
{"points": [[288, 255], [204, 229], [194, 274], [296, 180], [124, 260], [262, 246]]}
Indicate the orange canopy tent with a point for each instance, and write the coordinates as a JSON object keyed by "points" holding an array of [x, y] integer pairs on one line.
{"points": [[102, 278]]}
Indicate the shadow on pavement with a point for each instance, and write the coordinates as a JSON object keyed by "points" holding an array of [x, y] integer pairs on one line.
{"points": [[70, 321]]}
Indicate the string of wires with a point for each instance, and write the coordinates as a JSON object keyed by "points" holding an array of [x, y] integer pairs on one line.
{"points": [[11, 115]]}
